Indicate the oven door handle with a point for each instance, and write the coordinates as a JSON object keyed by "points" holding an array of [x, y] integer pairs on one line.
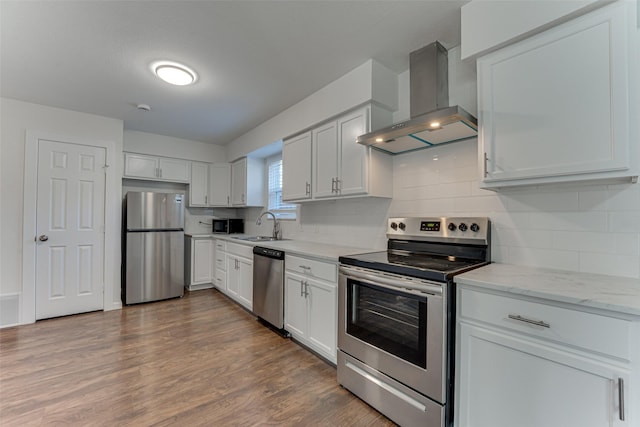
{"points": [[387, 282]]}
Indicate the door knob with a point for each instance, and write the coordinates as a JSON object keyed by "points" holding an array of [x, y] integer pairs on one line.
{"points": [[43, 237]]}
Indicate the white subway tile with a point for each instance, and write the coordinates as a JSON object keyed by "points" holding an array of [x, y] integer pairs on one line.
{"points": [[547, 258], [611, 264], [543, 202], [569, 221], [624, 222]]}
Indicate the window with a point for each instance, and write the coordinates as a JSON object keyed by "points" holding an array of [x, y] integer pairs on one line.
{"points": [[276, 205]]}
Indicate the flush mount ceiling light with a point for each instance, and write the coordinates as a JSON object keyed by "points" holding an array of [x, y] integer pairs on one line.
{"points": [[174, 73]]}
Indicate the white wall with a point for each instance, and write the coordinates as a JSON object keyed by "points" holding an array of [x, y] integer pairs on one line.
{"points": [[17, 117], [368, 81], [167, 146]]}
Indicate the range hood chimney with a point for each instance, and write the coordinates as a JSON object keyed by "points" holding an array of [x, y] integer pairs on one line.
{"points": [[432, 121]]}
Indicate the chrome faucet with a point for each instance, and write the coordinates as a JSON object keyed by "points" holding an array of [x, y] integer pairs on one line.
{"points": [[276, 234]]}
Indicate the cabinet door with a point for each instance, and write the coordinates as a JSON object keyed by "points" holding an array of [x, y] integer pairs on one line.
{"points": [[140, 166], [353, 156], [555, 107], [198, 187], [295, 306], [175, 170], [233, 275], [506, 381], [219, 184], [201, 261], [296, 168], [325, 165], [322, 304], [245, 282], [239, 182]]}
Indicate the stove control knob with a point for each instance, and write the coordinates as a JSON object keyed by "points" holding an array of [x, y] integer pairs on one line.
{"points": [[394, 225], [452, 227], [462, 226], [475, 227], [402, 226]]}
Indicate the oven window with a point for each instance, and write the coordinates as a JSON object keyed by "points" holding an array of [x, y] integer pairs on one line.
{"points": [[391, 320]]}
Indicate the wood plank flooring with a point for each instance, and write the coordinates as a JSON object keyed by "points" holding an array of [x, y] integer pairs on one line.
{"points": [[196, 361]]}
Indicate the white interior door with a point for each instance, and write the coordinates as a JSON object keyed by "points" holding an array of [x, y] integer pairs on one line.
{"points": [[70, 229]]}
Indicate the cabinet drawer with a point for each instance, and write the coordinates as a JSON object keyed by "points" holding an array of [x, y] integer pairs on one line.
{"points": [[310, 267], [220, 258], [594, 332], [220, 280], [241, 250]]}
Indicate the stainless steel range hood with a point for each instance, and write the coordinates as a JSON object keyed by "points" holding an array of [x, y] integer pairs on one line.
{"points": [[432, 121]]}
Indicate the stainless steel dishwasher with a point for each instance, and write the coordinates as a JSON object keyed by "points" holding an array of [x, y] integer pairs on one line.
{"points": [[268, 286]]}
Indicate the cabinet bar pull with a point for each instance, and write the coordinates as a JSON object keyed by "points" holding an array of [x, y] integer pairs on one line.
{"points": [[306, 289], [227, 200], [486, 159], [621, 398], [160, 172], [338, 185], [308, 188], [205, 199], [305, 267], [524, 319], [301, 291], [333, 185]]}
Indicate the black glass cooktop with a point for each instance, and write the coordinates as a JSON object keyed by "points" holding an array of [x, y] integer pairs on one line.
{"points": [[421, 265]]}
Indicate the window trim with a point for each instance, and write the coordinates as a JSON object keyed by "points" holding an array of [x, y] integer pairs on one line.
{"points": [[291, 211]]}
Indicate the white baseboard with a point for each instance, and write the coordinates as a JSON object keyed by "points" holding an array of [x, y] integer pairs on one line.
{"points": [[9, 310]]}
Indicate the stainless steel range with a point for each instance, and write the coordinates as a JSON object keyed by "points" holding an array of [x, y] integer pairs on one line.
{"points": [[396, 318]]}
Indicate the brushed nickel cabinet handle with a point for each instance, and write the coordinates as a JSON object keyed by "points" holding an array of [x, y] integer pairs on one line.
{"points": [[333, 185], [301, 291], [486, 159], [525, 320], [621, 398], [308, 188]]}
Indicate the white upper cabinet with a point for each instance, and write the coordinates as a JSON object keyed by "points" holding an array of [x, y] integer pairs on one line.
{"points": [[296, 172], [333, 164], [220, 184], [247, 182], [555, 107], [325, 160], [210, 184], [487, 25], [141, 166], [198, 187]]}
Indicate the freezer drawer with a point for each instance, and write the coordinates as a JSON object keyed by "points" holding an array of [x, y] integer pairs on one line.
{"points": [[154, 266]]}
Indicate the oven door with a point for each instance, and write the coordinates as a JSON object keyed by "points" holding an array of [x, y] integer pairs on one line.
{"points": [[396, 325]]}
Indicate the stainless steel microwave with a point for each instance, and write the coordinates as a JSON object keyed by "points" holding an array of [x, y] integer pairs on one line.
{"points": [[228, 225]]}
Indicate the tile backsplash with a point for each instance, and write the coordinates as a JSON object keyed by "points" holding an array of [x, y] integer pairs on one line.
{"points": [[593, 228]]}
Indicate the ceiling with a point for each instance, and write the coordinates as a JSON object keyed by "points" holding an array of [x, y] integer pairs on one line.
{"points": [[254, 58]]}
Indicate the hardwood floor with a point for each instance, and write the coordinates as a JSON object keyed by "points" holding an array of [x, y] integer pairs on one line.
{"points": [[196, 361]]}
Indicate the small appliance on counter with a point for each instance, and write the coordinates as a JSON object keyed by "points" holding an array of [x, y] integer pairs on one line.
{"points": [[227, 225], [153, 247]]}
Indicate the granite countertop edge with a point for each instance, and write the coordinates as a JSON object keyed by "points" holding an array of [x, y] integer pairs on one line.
{"points": [[306, 248], [613, 293]]}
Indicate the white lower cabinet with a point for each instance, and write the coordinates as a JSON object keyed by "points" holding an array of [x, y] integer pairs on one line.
{"points": [[199, 267], [311, 299], [239, 274], [516, 367]]}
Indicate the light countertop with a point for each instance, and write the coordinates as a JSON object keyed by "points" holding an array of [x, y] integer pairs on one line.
{"points": [[292, 247], [613, 293]]}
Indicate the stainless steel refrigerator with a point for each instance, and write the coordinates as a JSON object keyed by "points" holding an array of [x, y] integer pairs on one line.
{"points": [[154, 247]]}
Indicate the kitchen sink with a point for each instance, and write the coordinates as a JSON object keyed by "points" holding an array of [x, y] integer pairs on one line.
{"points": [[258, 238]]}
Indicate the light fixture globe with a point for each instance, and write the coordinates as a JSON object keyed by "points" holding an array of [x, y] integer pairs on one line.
{"points": [[174, 73]]}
